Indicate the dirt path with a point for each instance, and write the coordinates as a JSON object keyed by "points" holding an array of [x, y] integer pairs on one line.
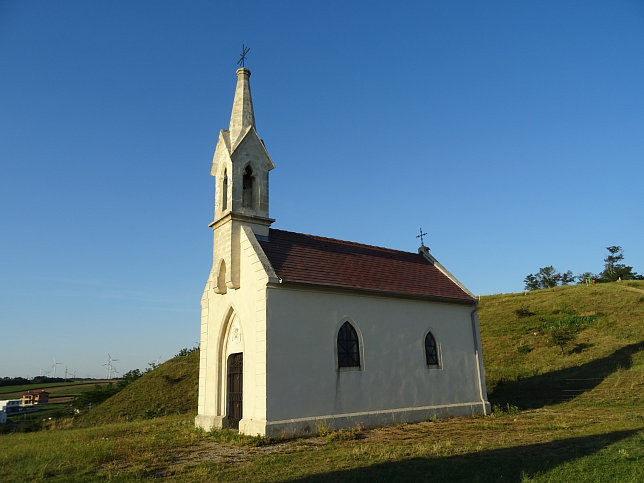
{"points": [[228, 453]]}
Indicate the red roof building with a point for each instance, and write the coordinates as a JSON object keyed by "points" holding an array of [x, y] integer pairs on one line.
{"points": [[39, 396]]}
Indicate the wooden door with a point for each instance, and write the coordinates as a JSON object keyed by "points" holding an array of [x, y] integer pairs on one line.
{"points": [[235, 389]]}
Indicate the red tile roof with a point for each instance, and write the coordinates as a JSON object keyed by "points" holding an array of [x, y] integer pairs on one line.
{"points": [[323, 261]]}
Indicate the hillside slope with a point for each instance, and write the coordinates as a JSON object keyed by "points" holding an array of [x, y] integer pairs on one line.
{"points": [[171, 388], [603, 363]]}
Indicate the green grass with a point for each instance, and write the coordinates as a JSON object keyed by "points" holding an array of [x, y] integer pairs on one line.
{"points": [[171, 388], [576, 415], [520, 359], [15, 392], [30, 387], [569, 444], [83, 454], [40, 417]]}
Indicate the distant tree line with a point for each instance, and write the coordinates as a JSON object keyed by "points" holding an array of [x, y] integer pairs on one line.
{"points": [[614, 269], [20, 381]]}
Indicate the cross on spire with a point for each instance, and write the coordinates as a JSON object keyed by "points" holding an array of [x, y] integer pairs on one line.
{"points": [[242, 57], [422, 244]]}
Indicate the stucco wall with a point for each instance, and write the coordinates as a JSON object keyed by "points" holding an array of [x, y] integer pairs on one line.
{"points": [[304, 381], [246, 305]]}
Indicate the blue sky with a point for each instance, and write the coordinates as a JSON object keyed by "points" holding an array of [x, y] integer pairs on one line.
{"points": [[512, 132]]}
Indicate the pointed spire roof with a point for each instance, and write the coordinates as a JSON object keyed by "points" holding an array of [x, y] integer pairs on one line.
{"points": [[242, 116]]}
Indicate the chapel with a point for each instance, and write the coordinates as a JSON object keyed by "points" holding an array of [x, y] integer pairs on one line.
{"points": [[300, 332]]}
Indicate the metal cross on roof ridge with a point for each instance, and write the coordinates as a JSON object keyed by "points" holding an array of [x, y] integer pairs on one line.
{"points": [[242, 57], [422, 244]]}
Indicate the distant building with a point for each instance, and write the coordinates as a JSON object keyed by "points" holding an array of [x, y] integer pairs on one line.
{"points": [[9, 406], [30, 398]]}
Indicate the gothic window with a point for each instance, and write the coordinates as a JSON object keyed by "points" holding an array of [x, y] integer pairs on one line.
{"points": [[348, 346], [247, 184], [431, 350], [224, 192]]}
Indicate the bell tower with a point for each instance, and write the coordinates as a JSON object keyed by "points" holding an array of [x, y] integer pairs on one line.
{"points": [[240, 167]]}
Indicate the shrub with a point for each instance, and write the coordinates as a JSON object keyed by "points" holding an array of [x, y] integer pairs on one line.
{"points": [[562, 335], [323, 429], [95, 396], [154, 412], [186, 352], [524, 312], [344, 434], [524, 349], [498, 410]]}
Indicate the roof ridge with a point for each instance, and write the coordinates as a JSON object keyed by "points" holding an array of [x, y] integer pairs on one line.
{"points": [[346, 242]]}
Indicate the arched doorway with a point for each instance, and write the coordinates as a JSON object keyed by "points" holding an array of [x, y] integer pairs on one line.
{"points": [[235, 371]]}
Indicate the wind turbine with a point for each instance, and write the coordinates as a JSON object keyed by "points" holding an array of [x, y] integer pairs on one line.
{"points": [[54, 366], [109, 369]]}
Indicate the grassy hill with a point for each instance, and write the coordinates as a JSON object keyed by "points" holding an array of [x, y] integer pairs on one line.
{"points": [[603, 363], [171, 388], [580, 416], [524, 367]]}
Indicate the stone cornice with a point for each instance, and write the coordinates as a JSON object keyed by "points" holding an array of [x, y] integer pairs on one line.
{"points": [[257, 220]]}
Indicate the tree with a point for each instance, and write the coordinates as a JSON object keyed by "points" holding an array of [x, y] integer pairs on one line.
{"points": [[94, 396], [583, 277], [531, 282], [547, 277], [614, 270], [567, 278], [611, 265], [129, 377], [562, 335]]}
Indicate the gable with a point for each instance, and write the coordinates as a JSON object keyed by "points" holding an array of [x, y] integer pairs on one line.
{"points": [[222, 152], [313, 260], [249, 145]]}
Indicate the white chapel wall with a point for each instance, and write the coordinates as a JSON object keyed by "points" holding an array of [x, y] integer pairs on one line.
{"points": [[234, 322], [304, 381]]}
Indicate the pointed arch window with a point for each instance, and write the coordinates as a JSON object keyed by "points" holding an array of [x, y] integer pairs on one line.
{"points": [[348, 346], [247, 184], [431, 350], [224, 192]]}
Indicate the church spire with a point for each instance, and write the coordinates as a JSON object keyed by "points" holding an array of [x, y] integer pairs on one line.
{"points": [[240, 166], [242, 116]]}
